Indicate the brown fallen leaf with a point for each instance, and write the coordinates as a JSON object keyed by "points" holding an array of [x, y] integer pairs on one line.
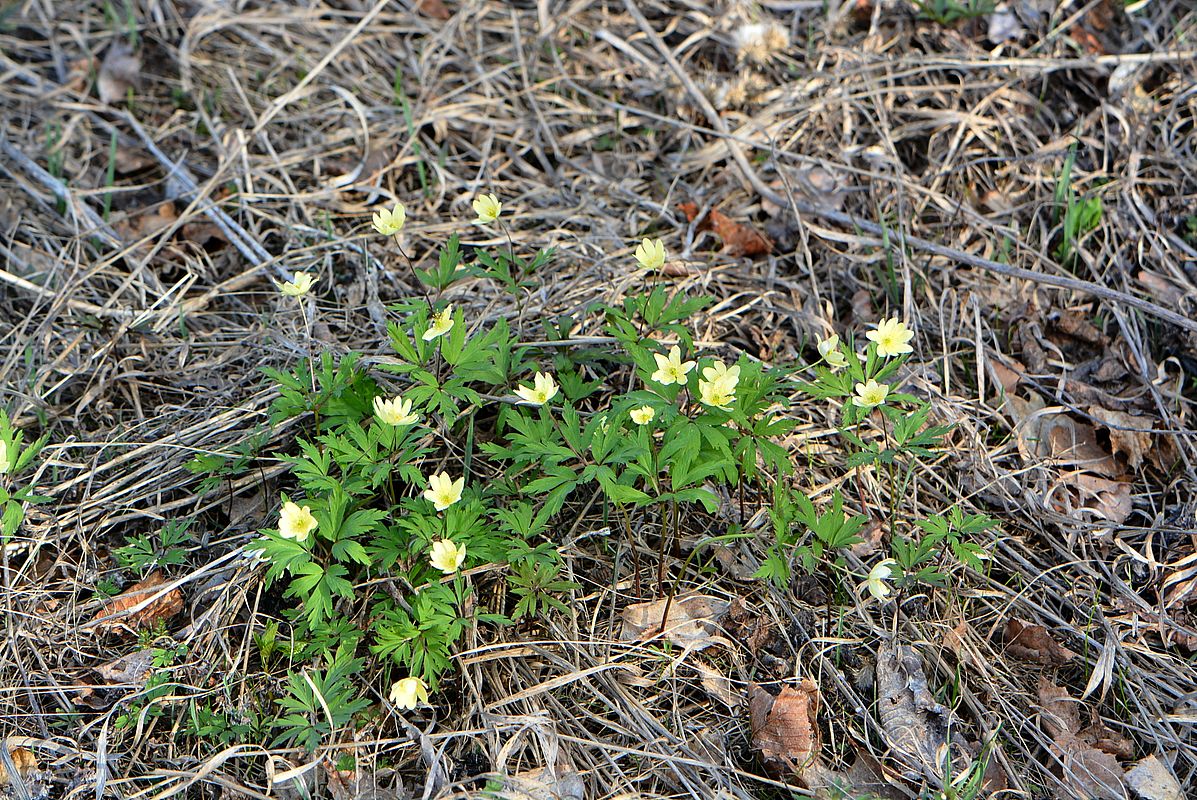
{"points": [[159, 609], [693, 621], [22, 759], [784, 729], [738, 239], [119, 72], [1033, 643], [1129, 434], [434, 9], [1153, 780], [717, 685], [146, 223], [922, 732], [542, 784], [1094, 495], [1087, 772], [117, 678]]}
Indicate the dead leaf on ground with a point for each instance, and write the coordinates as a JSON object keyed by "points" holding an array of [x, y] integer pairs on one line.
{"points": [[157, 610], [693, 621], [117, 678], [1129, 434], [146, 223], [22, 759], [717, 685], [1055, 437], [738, 239], [1033, 643], [542, 784], [1153, 780], [922, 732], [1007, 375], [435, 9], [1092, 495], [1087, 770], [355, 784], [784, 728], [119, 72]]}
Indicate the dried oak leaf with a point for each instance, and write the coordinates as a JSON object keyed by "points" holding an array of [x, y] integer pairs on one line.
{"points": [[119, 72], [1033, 643], [124, 612], [1086, 770], [920, 730], [1129, 434], [1153, 780], [22, 759], [692, 622], [434, 9], [784, 729], [738, 239]]}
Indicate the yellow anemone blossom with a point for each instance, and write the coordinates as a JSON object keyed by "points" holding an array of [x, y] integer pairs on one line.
{"points": [[892, 338], [488, 208], [296, 522], [719, 393], [643, 415], [443, 491], [720, 372], [829, 349], [543, 389], [395, 411], [297, 286], [409, 693], [441, 324], [651, 254], [447, 556], [388, 223], [672, 369], [871, 394], [876, 582], [5, 461]]}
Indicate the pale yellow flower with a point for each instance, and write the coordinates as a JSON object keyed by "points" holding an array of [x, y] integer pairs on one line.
{"points": [[297, 286], [829, 349], [395, 411], [672, 369], [643, 415], [296, 522], [488, 208], [871, 394], [717, 393], [443, 491], [876, 582], [892, 338], [441, 324], [543, 389], [409, 693], [5, 461], [730, 376], [388, 223], [651, 254], [447, 556]]}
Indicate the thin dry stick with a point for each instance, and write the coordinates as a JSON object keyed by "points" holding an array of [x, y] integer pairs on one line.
{"points": [[801, 208]]}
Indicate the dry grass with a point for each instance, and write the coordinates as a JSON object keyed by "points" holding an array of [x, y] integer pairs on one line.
{"points": [[135, 342]]}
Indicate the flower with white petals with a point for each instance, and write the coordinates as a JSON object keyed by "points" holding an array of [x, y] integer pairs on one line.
{"points": [[651, 254], [443, 491], [440, 324], [542, 390], [719, 394], [447, 556], [643, 415], [296, 522], [389, 223], [720, 372], [876, 582], [409, 693], [395, 411], [892, 338], [297, 286], [829, 349], [488, 208], [871, 394], [672, 369]]}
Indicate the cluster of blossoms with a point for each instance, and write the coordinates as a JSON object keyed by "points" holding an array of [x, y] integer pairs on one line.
{"points": [[892, 338]]}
